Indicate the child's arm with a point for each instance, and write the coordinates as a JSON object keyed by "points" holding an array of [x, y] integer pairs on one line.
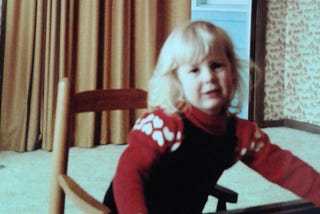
{"points": [[152, 135], [128, 182], [278, 165]]}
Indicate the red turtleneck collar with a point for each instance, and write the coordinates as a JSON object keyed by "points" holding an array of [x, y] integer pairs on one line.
{"points": [[213, 124]]}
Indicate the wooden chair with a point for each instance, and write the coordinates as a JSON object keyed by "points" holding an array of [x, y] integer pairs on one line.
{"points": [[68, 104], [92, 101]]}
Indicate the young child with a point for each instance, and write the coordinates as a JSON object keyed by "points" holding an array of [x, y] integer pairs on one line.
{"points": [[178, 150]]}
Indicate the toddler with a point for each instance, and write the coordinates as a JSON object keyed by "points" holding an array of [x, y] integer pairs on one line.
{"points": [[179, 149]]}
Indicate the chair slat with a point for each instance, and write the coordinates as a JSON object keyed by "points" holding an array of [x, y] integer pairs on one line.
{"points": [[111, 99]]}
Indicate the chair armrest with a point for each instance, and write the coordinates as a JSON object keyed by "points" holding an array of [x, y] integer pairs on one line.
{"points": [[225, 194], [80, 197]]}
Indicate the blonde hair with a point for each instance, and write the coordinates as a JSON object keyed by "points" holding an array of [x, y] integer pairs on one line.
{"points": [[189, 43]]}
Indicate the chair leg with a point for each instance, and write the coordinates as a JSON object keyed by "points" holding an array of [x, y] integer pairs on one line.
{"points": [[221, 206]]}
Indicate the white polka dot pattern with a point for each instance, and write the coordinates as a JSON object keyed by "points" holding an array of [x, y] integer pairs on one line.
{"points": [[154, 126], [257, 143]]}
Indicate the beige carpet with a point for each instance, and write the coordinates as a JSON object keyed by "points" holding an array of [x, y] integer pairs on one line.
{"points": [[25, 177]]}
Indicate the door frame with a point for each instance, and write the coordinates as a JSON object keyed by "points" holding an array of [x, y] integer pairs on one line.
{"points": [[257, 55]]}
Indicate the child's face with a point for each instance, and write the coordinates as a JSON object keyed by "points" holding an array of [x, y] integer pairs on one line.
{"points": [[207, 85]]}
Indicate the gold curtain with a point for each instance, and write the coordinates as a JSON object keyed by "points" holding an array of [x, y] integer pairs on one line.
{"points": [[99, 44]]}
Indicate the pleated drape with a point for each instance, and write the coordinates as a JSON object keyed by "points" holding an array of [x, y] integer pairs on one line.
{"points": [[20, 104], [98, 44]]}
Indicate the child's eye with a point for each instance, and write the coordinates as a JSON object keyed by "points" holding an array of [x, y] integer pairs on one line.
{"points": [[215, 65], [194, 70]]}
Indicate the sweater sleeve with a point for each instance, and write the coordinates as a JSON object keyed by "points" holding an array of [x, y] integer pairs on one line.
{"points": [[153, 134], [277, 165]]}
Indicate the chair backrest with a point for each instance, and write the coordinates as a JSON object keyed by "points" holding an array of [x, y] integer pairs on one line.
{"points": [[67, 104]]}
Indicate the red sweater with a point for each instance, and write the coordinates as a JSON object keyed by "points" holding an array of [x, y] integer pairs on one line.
{"points": [[157, 133]]}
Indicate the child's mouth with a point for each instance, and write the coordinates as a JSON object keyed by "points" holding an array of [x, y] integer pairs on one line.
{"points": [[213, 93]]}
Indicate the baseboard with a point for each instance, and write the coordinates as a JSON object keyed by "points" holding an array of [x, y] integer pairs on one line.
{"points": [[302, 126], [292, 124], [272, 123]]}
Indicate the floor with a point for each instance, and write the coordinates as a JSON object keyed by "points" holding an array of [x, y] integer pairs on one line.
{"points": [[25, 177]]}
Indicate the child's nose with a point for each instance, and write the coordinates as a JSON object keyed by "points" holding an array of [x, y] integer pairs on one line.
{"points": [[209, 75]]}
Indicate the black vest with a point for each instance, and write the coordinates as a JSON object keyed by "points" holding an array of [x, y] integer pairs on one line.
{"points": [[179, 182]]}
